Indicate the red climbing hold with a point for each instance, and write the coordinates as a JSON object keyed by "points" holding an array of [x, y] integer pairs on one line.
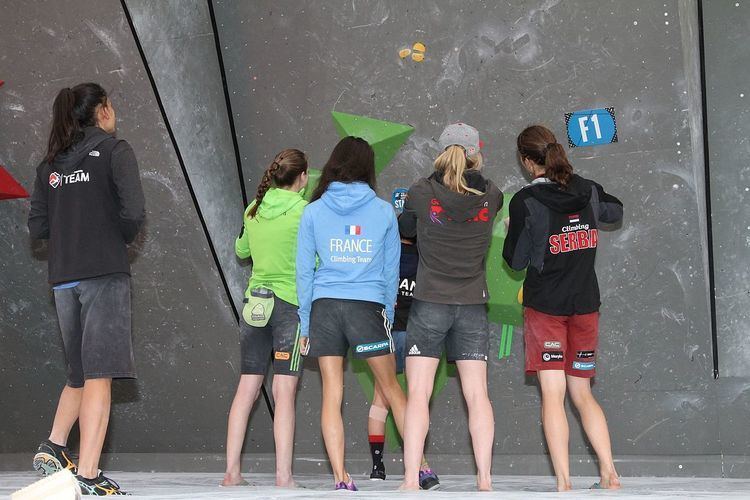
{"points": [[9, 187]]}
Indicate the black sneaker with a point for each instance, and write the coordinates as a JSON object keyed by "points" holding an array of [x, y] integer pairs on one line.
{"points": [[51, 458], [378, 472], [428, 480], [101, 486]]}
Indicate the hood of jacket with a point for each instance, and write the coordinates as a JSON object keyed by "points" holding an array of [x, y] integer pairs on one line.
{"points": [[277, 202], [572, 199], [459, 206], [71, 157], [345, 197]]}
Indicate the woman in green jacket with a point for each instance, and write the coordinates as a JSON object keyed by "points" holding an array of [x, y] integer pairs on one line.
{"points": [[269, 327]]}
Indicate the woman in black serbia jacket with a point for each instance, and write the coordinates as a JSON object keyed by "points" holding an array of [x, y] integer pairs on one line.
{"points": [[553, 232]]}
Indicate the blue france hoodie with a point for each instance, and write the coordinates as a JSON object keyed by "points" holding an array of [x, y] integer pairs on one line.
{"points": [[354, 235]]}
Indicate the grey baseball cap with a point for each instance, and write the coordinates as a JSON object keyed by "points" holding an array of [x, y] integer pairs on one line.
{"points": [[462, 135]]}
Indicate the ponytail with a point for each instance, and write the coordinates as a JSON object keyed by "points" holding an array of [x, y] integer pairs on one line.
{"points": [[558, 168], [538, 144], [263, 187], [285, 168], [452, 163], [73, 109]]}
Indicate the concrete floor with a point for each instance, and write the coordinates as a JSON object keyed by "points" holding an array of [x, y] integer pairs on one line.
{"points": [[183, 486]]}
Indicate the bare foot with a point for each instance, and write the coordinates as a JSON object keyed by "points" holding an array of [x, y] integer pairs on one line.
{"points": [[564, 487], [484, 483], [408, 487], [285, 482], [610, 482], [233, 480]]}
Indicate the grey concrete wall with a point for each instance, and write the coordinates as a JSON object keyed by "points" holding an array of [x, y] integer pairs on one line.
{"points": [[186, 345], [728, 99], [501, 66], [178, 40]]}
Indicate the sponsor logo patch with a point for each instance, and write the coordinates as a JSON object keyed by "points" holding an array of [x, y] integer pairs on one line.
{"points": [[94, 153], [373, 346], [550, 344], [414, 351], [54, 179], [585, 354], [282, 356], [552, 356], [584, 365]]}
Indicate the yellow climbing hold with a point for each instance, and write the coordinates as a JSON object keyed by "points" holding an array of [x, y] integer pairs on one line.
{"points": [[404, 53], [418, 50]]}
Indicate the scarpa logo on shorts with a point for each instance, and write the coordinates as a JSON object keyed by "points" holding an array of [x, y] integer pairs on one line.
{"points": [[373, 346], [578, 365]]}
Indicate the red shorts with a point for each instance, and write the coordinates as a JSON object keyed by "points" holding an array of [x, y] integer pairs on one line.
{"points": [[561, 342]]}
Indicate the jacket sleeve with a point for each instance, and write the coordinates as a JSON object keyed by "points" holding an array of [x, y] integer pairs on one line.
{"points": [[392, 266], [610, 208], [407, 221], [305, 270], [38, 216], [129, 190], [517, 247], [242, 243]]}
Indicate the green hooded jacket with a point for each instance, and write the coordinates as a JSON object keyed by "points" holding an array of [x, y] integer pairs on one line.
{"points": [[270, 239]]}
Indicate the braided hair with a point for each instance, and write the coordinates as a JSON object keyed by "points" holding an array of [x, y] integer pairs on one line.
{"points": [[285, 168]]}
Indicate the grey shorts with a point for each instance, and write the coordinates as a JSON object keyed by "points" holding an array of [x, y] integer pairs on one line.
{"points": [[462, 330], [94, 319], [337, 324], [279, 340]]}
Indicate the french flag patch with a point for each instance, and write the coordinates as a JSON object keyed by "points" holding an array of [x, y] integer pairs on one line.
{"points": [[353, 230], [574, 218]]}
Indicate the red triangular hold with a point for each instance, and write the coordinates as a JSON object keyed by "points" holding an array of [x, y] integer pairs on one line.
{"points": [[9, 187]]}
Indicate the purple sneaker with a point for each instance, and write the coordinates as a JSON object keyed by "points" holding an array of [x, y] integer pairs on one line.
{"points": [[428, 480], [350, 486]]}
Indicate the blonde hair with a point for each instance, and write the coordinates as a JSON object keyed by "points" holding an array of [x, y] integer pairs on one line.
{"points": [[452, 163]]}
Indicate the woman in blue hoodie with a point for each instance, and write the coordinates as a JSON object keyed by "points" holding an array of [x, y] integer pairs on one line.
{"points": [[348, 299]]}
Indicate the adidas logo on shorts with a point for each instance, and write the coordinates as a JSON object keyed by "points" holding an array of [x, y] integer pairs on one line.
{"points": [[414, 351]]}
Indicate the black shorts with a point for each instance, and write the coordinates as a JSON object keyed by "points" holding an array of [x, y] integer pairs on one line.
{"points": [[337, 324], [462, 330], [94, 317], [278, 339]]}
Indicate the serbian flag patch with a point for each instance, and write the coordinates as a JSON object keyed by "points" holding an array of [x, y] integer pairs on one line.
{"points": [[353, 230], [574, 218]]}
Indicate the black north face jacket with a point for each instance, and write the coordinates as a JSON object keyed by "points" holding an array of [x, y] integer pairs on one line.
{"points": [[89, 204], [554, 232]]}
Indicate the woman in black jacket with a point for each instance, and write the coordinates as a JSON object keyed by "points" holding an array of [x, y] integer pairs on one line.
{"points": [[553, 232], [89, 204]]}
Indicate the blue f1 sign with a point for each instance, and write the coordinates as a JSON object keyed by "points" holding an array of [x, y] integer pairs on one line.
{"points": [[591, 127]]}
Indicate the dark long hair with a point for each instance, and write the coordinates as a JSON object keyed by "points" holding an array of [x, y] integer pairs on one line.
{"points": [[282, 172], [352, 160], [73, 110], [539, 144]]}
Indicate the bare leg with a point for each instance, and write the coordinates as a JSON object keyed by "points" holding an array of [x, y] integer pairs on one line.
{"points": [[332, 374], [481, 419], [284, 394], [244, 399], [67, 413], [556, 423], [420, 371], [93, 421], [377, 427], [595, 424]]}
